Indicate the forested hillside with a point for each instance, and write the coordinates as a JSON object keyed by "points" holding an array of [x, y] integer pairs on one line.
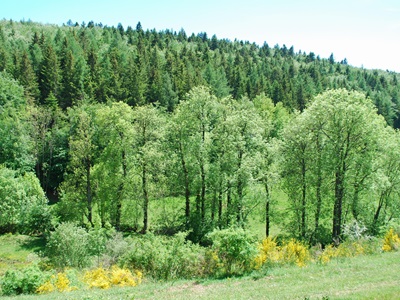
{"points": [[101, 121]]}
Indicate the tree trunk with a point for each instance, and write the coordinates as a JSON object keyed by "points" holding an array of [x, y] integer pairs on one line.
{"points": [[267, 209], [303, 200], [89, 193], [318, 187], [337, 209], [120, 192], [220, 207], [203, 192], [239, 190], [377, 212], [145, 200], [228, 203], [213, 205], [186, 183]]}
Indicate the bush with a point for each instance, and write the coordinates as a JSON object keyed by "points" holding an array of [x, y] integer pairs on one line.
{"points": [[235, 250], [106, 278], [23, 203], [391, 241], [68, 246], [349, 248], [290, 252], [115, 247], [293, 251], [60, 282], [164, 258], [36, 220], [25, 281]]}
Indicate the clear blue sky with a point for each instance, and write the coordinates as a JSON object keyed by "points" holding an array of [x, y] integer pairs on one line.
{"points": [[366, 32]]}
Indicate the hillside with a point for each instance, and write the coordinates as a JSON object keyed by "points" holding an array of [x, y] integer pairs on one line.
{"points": [[105, 122], [74, 62]]}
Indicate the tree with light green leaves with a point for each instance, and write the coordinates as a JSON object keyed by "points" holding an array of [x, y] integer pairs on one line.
{"points": [[23, 205], [385, 183], [196, 116], [148, 155], [273, 119], [114, 121], [243, 143], [329, 151], [78, 189]]}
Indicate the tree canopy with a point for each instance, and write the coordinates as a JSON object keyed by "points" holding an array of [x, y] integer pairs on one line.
{"points": [[106, 122]]}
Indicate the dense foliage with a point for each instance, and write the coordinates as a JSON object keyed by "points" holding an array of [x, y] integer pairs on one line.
{"points": [[112, 120]]}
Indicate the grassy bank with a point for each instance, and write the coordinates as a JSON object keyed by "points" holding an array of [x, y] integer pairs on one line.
{"points": [[363, 277], [16, 251]]}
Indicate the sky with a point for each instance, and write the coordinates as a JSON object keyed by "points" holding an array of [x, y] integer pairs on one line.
{"points": [[365, 32]]}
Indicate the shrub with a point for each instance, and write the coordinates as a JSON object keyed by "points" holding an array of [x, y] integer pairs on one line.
{"points": [[106, 278], [164, 258], [290, 252], [115, 247], [59, 282], [98, 240], [25, 281], [36, 220], [236, 250], [349, 248], [354, 231], [23, 203], [293, 251], [68, 246], [391, 241], [268, 252]]}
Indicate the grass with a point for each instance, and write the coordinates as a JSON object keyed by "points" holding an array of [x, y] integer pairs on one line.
{"points": [[362, 277], [16, 250]]}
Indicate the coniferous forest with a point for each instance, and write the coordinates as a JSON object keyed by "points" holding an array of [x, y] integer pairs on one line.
{"points": [[99, 123]]}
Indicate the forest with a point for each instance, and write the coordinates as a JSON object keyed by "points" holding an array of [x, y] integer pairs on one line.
{"points": [[98, 123]]}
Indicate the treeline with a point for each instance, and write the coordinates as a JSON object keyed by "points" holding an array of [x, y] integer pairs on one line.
{"points": [[136, 66], [105, 120]]}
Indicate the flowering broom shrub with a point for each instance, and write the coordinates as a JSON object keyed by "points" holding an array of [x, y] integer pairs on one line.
{"points": [[106, 278], [290, 252], [59, 282], [391, 241], [295, 252]]}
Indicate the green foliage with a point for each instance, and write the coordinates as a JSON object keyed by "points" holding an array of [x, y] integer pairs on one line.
{"points": [[69, 246], [25, 281], [23, 205], [164, 258], [236, 250], [336, 139], [115, 248], [15, 141], [109, 158]]}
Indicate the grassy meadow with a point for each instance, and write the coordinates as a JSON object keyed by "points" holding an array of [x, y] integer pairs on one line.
{"points": [[362, 277]]}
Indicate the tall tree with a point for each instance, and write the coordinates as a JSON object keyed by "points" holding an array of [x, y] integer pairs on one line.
{"points": [[147, 122], [49, 74], [78, 190], [115, 124]]}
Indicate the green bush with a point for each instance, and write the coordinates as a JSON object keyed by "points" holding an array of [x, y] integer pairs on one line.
{"points": [[165, 258], [37, 219], [235, 250], [116, 246], [69, 246], [23, 203], [25, 281]]}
